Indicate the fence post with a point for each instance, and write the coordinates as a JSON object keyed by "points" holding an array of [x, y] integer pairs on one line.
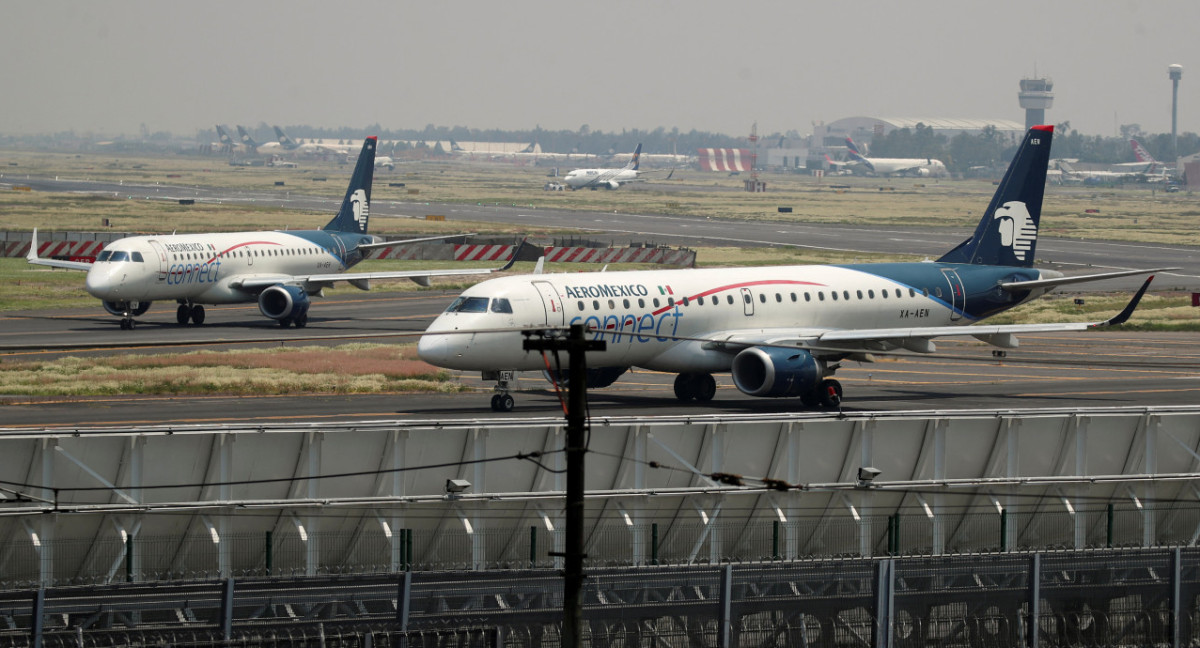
{"points": [[885, 598], [775, 540], [1035, 598], [39, 618], [725, 621], [1003, 530], [532, 546], [403, 594], [270, 556], [227, 610], [654, 543], [1176, 604], [129, 558], [1109, 536]]}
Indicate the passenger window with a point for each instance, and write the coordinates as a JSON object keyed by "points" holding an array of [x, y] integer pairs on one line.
{"points": [[859, 294], [670, 301], [762, 297], [807, 297], [700, 300], [641, 303], [870, 294], [937, 292], [793, 297], [595, 304], [625, 302], [833, 293], [746, 297], [685, 301], [612, 305], [821, 295], [778, 297], [846, 295], [729, 298], [581, 305], [656, 302], [501, 305]]}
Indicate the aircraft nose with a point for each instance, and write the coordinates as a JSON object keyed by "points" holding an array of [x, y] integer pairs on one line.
{"points": [[98, 284], [433, 349]]}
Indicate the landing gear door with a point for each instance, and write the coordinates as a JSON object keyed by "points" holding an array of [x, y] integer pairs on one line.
{"points": [[958, 298], [555, 316], [161, 253]]}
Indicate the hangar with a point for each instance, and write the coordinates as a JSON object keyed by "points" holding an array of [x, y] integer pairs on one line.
{"points": [[833, 135]]}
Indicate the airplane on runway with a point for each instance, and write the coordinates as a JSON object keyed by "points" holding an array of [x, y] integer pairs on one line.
{"points": [[606, 178], [780, 331], [280, 270], [920, 167]]}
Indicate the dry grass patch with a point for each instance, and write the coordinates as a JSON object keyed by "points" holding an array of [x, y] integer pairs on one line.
{"points": [[345, 369]]}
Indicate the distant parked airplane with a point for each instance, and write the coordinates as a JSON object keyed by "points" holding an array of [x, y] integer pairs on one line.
{"points": [[921, 167]]}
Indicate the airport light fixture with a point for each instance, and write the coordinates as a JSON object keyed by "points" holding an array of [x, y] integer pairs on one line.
{"points": [[456, 486]]}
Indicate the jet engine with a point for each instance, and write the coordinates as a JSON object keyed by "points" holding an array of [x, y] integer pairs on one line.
{"points": [[773, 372], [118, 308], [597, 377], [923, 172], [613, 184], [284, 303]]}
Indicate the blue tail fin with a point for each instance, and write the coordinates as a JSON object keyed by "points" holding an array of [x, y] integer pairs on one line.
{"points": [[224, 136], [1007, 233], [634, 162], [285, 141], [356, 206], [246, 139]]}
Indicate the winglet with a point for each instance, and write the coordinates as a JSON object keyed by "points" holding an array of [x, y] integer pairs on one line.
{"points": [[33, 248], [513, 259], [1129, 308]]}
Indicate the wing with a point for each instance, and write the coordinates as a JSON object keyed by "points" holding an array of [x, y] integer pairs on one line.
{"points": [[33, 258], [255, 283], [833, 342]]}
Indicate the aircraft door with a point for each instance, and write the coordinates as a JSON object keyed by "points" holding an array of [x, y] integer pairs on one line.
{"points": [[555, 315], [163, 266], [958, 298], [748, 301]]}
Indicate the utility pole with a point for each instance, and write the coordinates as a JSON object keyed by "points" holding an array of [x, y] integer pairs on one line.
{"points": [[575, 345]]}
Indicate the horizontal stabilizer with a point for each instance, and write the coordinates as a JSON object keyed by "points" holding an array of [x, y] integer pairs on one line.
{"points": [[1016, 286]]}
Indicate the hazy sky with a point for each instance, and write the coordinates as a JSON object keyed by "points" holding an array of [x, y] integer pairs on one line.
{"points": [[108, 67]]}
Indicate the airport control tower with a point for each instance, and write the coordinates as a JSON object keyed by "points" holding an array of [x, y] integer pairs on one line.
{"points": [[1036, 97]]}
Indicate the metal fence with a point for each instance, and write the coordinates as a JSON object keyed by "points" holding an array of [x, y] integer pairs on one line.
{"points": [[612, 543], [1130, 597]]}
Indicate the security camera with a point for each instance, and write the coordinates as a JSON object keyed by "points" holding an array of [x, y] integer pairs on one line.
{"points": [[867, 474], [457, 485]]}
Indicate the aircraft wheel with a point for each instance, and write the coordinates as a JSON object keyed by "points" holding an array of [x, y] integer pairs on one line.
{"points": [[685, 389], [183, 314], [503, 403], [197, 314], [124, 324], [301, 320], [831, 393], [285, 322], [704, 387]]}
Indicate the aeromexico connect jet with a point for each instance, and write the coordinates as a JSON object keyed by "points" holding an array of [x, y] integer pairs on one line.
{"points": [[780, 331], [280, 270]]}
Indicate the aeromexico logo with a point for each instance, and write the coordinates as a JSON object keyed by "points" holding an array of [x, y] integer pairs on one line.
{"points": [[1016, 227], [360, 208]]}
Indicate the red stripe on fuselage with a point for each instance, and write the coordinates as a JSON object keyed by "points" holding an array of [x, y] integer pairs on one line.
{"points": [[739, 286], [227, 250]]}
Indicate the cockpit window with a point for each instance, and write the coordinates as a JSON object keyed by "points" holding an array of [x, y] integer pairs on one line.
{"points": [[137, 256], [119, 256], [501, 305], [103, 256], [469, 305]]}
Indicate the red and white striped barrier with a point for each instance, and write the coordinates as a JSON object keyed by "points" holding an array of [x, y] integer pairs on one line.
{"points": [[402, 252], [619, 255], [483, 252], [74, 249]]}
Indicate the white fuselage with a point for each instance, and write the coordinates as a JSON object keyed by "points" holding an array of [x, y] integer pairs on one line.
{"points": [[909, 166], [202, 268], [603, 178], [643, 314]]}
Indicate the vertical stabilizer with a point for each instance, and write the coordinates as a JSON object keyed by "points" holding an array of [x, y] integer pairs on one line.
{"points": [[1007, 233], [285, 141], [246, 139], [356, 206], [634, 162]]}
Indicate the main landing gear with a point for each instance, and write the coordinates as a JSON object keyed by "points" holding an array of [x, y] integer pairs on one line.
{"points": [[502, 401], [300, 321], [188, 311], [695, 385], [827, 394]]}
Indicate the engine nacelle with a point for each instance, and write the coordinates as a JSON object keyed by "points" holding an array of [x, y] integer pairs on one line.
{"points": [[924, 172], [597, 377], [613, 184], [118, 308], [280, 302], [774, 373]]}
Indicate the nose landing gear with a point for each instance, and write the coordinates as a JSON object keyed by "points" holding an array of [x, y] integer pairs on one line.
{"points": [[502, 401]]}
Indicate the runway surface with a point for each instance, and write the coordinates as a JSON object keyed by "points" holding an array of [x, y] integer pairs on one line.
{"points": [[1091, 369]]}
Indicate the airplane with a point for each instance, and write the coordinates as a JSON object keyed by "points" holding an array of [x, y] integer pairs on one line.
{"points": [[1154, 168], [920, 167], [249, 142], [606, 178], [280, 270], [226, 141], [779, 331], [1070, 174]]}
